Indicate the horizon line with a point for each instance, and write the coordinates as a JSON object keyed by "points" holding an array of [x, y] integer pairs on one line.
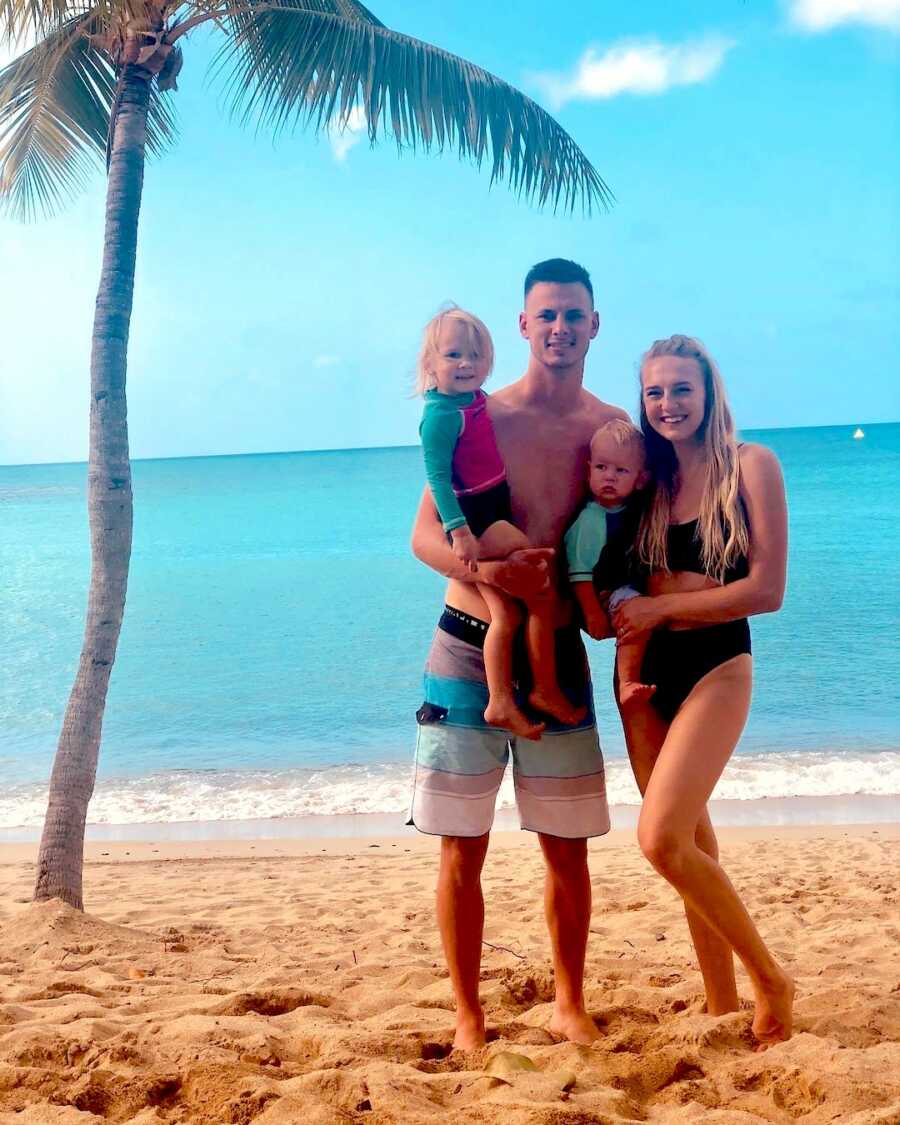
{"points": [[385, 448]]}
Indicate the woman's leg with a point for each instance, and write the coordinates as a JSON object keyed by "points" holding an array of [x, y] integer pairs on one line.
{"points": [[645, 733], [502, 710], [699, 742]]}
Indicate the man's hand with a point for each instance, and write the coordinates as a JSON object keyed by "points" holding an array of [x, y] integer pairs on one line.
{"points": [[465, 546], [639, 615], [523, 573]]}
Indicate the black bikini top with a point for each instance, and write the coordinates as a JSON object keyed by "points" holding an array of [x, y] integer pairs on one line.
{"points": [[684, 552]]}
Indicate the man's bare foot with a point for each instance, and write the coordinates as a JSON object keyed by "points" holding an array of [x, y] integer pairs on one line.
{"points": [[632, 692], [556, 704], [773, 1018], [508, 717], [576, 1026], [469, 1033]]}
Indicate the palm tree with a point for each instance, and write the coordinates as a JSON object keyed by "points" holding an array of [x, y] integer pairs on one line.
{"points": [[97, 83]]}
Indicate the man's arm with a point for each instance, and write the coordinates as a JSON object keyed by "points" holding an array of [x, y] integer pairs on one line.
{"points": [[521, 575]]}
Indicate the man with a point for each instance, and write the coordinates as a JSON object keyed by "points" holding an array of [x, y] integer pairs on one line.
{"points": [[544, 423]]}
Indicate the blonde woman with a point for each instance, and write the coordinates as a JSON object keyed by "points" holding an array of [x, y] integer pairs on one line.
{"points": [[713, 544]]}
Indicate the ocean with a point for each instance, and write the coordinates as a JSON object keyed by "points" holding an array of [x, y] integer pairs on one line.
{"points": [[270, 661]]}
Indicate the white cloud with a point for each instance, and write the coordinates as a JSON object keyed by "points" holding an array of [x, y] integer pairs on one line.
{"points": [[343, 139], [643, 66], [326, 360], [822, 15]]}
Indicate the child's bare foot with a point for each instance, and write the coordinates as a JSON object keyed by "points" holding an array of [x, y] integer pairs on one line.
{"points": [[469, 1032], [575, 1025], [631, 692], [506, 714], [773, 1018], [556, 704]]}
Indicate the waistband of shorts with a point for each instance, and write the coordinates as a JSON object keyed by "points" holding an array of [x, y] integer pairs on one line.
{"points": [[472, 630], [463, 626]]}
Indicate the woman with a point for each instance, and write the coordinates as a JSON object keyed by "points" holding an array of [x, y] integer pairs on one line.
{"points": [[713, 543]]}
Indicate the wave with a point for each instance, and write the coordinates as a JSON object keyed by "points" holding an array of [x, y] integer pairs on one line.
{"points": [[209, 795]]}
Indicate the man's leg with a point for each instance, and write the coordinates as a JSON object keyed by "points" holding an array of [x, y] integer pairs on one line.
{"points": [[567, 902], [460, 913]]}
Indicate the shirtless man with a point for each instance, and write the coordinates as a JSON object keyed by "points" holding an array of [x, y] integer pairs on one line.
{"points": [[544, 423]]}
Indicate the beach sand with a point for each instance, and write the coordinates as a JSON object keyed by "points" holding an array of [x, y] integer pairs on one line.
{"points": [[284, 981]]}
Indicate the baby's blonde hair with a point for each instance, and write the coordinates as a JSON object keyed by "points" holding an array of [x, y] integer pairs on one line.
{"points": [[478, 336], [623, 434]]}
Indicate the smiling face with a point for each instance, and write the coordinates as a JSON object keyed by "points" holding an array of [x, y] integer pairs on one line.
{"points": [[673, 397], [458, 361], [559, 323], [616, 470]]}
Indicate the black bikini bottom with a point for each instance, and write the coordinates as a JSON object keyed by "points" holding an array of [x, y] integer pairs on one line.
{"points": [[677, 659]]}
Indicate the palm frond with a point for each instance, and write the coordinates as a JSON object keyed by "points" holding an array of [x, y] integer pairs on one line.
{"points": [[55, 103], [313, 61], [31, 18]]}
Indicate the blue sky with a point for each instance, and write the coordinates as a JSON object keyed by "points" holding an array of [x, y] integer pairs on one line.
{"points": [[754, 151]]}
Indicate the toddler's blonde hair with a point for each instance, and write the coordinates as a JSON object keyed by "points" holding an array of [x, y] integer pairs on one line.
{"points": [[479, 337], [623, 434]]}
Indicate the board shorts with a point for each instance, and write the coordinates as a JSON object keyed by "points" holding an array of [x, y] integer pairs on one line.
{"points": [[460, 760]]}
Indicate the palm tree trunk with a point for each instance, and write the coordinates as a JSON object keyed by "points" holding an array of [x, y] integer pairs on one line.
{"points": [[61, 855]]}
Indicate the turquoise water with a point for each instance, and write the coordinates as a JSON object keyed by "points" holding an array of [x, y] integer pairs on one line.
{"points": [[276, 625]]}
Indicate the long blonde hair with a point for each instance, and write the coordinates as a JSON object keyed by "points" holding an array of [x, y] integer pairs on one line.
{"points": [[722, 527], [478, 336]]}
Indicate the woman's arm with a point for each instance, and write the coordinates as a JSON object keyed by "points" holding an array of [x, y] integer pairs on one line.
{"points": [[762, 591], [521, 575]]}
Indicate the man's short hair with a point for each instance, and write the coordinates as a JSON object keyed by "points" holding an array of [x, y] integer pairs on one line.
{"points": [[558, 271]]}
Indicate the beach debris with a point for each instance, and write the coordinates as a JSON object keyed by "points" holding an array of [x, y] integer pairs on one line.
{"points": [[660, 937], [136, 974], [506, 1066], [504, 949]]}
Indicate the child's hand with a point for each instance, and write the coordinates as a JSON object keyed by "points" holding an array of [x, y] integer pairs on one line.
{"points": [[465, 546], [597, 625]]}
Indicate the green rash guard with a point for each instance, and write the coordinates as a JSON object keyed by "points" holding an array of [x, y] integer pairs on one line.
{"points": [[585, 539], [441, 425]]}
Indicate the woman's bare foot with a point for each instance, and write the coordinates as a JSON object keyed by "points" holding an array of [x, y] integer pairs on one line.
{"points": [[506, 715], [469, 1032], [632, 692], [773, 1018], [555, 703], [575, 1025]]}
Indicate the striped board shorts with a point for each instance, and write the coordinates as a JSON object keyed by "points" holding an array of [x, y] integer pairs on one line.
{"points": [[460, 760]]}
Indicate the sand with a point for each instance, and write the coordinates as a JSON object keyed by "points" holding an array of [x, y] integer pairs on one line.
{"points": [[302, 981]]}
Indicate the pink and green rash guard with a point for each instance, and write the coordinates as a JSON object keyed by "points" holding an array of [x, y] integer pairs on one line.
{"points": [[460, 448]]}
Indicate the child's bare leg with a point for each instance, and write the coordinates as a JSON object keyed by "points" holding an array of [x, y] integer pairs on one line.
{"points": [[629, 661], [499, 540], [502, 709], [540, 639]]}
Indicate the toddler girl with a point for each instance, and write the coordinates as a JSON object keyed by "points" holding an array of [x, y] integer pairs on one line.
{"points": [[467, 478]]}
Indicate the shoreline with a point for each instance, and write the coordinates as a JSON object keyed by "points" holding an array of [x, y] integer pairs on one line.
{"points": [[771, 812], [766, 818]]}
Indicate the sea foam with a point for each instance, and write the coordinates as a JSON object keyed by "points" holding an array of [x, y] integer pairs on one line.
{"points": [[210, 795]]}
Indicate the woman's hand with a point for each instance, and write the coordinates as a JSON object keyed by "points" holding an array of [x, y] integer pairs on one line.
{"points": [[639, 615]]}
